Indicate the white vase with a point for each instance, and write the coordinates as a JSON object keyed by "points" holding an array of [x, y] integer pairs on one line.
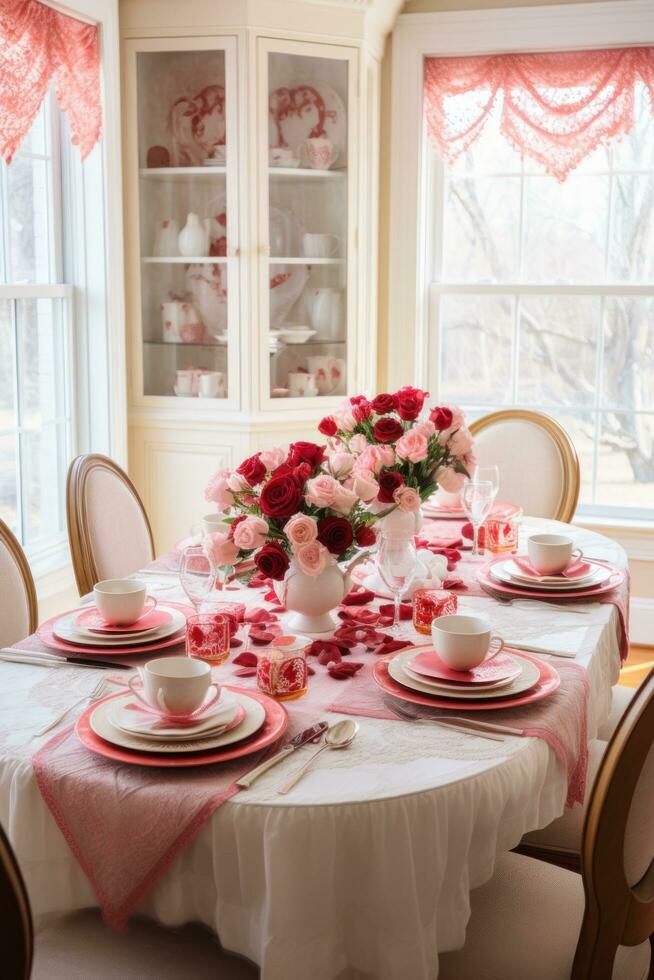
{"points": [[312, 598], [397, 524], [193, 238]]}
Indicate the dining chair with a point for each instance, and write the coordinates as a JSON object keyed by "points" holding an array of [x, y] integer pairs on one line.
{"points": [[108, 528], [544, 922], [18, 605], [539, 467], [80, 946]]}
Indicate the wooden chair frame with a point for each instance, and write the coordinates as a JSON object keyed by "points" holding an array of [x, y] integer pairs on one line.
{"points": [[17, 553], [571, 473], [16, 930], [86, 572]]}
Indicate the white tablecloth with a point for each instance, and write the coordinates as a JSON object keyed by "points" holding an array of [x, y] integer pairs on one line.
{"points": [[365, 870]]}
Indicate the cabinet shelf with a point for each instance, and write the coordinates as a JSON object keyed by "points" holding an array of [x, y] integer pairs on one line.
{"points": [[303, 260], [180, 173], [171, 346], [303, 173], [184, 259]]}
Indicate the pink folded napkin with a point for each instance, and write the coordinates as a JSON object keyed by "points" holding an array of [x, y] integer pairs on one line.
{"points": [[576, 568]]}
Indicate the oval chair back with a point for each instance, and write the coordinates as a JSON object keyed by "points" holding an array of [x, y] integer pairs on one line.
{"points": [[16, 932], [18, 605]]}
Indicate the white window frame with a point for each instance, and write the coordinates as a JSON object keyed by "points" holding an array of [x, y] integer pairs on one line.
{"points": [[471, 32]]}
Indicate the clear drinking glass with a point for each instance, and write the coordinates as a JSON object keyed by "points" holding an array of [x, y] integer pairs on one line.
{"points": [[197, 575], [477, 498], [397, 561]]}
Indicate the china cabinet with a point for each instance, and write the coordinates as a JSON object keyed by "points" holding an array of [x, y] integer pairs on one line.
{"points": [[250, 151]]}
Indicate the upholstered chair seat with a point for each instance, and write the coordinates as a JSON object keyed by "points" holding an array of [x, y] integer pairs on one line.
{"points": [[18, 605]]}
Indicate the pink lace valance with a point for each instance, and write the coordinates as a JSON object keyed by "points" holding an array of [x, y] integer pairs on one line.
{"points": [[556, 108], [37, 45]]}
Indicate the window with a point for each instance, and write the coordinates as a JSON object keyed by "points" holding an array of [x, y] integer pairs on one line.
{"points": [[36, 422], [543, 296]]}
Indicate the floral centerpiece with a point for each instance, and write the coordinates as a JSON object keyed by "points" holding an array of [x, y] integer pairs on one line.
{"points": [[290, 516], [390, 457]]}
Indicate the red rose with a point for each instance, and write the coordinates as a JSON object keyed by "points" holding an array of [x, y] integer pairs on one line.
{"points": [[441, 416], [252, 469], [272, 561], [410, 402], [235, 523], [365, 537], [303, 472], [305, 452], [387, 430], [383, 404], [362, 410], [388, 484], [281, 496], [358, 399], [282, 469], [336, 534], [328, 426]]}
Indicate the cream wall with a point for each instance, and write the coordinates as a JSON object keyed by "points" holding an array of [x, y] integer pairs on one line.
{"points": [[642, 571]]}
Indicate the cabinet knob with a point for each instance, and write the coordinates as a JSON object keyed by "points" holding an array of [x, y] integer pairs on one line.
{"points": [[264, 250]]}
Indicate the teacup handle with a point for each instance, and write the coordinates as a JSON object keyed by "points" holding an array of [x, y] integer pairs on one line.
{"points": [[137, 694], [577, 555], [494, 639], [148, 609]]}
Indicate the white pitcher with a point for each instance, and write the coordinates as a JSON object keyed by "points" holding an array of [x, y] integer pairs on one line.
{"points": [[326, 312], [329, 372]]}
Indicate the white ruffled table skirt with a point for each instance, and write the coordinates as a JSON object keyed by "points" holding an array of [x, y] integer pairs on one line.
{"points": [[365, 870]]}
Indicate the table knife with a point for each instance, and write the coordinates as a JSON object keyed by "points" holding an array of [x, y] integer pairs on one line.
{"points": [[39, 658], [308, 735]]}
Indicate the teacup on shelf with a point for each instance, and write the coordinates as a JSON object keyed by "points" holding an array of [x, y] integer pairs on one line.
{"points": [[282, 156], [318, 152], [317, 245], [302, 385]]}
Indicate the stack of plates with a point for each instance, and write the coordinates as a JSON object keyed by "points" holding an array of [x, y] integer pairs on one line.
{"points": [[507, 572], [84, 631], [508, 680], [240, 723]]}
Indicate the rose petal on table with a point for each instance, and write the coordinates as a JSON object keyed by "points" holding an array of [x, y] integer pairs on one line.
{"points": [[342, 672], [260, 615], [310, 671], [388, 609], [246, 659], [278, 609], [329, 656], [261, 638], [271, 596], [361, 617], [454, 582], [246, 672], [358, 597], [235, 642]]}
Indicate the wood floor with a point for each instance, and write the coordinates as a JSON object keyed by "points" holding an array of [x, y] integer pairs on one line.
{"points": [[639, 662]]}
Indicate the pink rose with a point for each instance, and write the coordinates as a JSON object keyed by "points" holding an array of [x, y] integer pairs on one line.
{"points": [[218, 491], [301, 529], [412, 446], [450, 481], [322, 490], [470, 461], [385, 456], [219, 549], [344, 501], [251, 533], [425, 429], [458, 419], [367, 461], [365, 486], [272, 458], [461, 442], [407, 499], [312, 557], [340, 464], [237, 483], [344, 417], [358, 443]]}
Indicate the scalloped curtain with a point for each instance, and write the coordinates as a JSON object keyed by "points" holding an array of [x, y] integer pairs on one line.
{"points": [[556, 108], [39, 45]]}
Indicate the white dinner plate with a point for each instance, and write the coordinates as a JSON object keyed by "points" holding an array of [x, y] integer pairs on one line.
{"points": [[500, 573], [66, 629], [529, 676], [452, 687], [127, 721], [100, 722]]}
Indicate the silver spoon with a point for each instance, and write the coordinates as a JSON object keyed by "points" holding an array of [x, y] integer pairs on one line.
{"points": [[337, 736]]}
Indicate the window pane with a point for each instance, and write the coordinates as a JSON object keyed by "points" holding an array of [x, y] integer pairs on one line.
{"points": [[44, 454], [635, 151], [476, 349], [558, 350], [632, 229], [581, 429], [42, 360], [481, 229], [625, 473], [565, 229], [7, 368], [8, 467], [490, 154], [628, 371], [29, 220]]}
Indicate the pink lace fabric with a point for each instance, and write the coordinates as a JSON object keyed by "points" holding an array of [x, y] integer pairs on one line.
{"points": [[556, 108], [39, 44]]}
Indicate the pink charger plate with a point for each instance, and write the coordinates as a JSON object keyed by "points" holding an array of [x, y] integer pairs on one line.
{"points": [[46, 635], [92, 619], [273, 728], [500, 588], [547, 684]]}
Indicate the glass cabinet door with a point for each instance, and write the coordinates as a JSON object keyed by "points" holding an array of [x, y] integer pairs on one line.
{"points": [[183, 120], [306, 204]]}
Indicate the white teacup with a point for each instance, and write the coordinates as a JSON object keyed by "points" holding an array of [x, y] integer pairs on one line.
{"points": [[122, 601], [318, 245], [174, 685], [302, 385], [213, 523], [463, 642], [212, 384], [551, 553], [318, 152]]}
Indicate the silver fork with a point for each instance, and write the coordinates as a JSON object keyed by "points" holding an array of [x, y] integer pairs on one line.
{"points": [[96, 694], [408, 715]]}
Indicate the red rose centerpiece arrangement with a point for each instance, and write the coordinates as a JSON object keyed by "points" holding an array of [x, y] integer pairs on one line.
{"points": [[293, 517], [394, 460]]}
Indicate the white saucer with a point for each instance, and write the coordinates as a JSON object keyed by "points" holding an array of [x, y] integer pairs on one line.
{"points": [[127, 721], [65, 629], [501, 573], [529, 676], [452, 687]]}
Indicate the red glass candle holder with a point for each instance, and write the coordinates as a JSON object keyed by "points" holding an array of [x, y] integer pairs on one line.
{"points": [[282, 668], [207, 637], [428, 604], [501, 534]]}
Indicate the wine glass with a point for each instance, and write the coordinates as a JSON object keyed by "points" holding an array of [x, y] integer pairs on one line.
{"points": [[197, 575], [492, 473], [477, 498], [397, 561]]}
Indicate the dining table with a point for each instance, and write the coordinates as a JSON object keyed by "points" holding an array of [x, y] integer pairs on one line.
{"points": [[364, 869]]}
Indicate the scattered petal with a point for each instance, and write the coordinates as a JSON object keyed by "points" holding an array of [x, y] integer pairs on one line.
{"points": [[246, 659]]}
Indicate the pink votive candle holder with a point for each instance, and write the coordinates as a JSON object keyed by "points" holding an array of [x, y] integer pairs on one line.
{"points": [[208, 636], [428, 604], [501, 533], [282, 668]]}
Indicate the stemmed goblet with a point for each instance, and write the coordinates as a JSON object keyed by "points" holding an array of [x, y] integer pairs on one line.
{"points": [[197, 575], [397, 561], [477, 498]]}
